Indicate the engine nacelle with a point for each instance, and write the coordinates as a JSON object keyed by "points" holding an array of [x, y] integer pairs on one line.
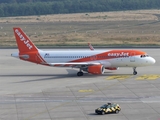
{"points": [[96, 69], [112, 68]]}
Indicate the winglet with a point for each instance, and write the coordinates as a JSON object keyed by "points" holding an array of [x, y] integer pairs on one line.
{"points": [[90, 46], [23, 42]]}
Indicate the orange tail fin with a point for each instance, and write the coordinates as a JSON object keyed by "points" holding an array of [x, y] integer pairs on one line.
{"points": [[23, 42]]}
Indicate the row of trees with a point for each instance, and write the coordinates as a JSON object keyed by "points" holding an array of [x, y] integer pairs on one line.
{"points": [[42, 7], [25, 1]]}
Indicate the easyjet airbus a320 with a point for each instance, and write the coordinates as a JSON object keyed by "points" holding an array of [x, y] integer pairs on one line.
{"points": [[91, 61]]}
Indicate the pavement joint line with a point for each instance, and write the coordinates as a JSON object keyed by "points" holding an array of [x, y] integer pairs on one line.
{"points": [[47, 110], [129, 89], [99, 89], [150, 105], [152, 108], [46, 107], [16, 106], [155, 87], [125, 116], [80, 108], [72, 101]]}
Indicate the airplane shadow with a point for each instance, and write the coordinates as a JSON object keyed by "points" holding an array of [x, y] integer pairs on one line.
{"points": [[44, 77]]}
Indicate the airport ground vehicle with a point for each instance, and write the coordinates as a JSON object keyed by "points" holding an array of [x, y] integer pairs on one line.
{"points": [[108, 108]]}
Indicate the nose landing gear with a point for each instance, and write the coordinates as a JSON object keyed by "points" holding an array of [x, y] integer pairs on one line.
{"points": [[134, 71]]}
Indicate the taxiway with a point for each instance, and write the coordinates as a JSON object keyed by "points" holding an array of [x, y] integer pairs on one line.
{"points": [[35, 92]]}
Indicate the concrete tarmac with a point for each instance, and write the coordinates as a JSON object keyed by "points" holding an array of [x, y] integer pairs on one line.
{"points": [[35, 92]]}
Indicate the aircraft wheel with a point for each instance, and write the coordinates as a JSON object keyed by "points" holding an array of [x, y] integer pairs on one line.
{"points": [[135, 73], [80, 74]]}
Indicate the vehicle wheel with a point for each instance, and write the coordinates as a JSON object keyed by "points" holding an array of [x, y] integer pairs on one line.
{"points": [[103, 112], [117, 111]]}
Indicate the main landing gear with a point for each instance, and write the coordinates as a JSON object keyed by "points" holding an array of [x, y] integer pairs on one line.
{"points": [[80, 73], [134, 71]]}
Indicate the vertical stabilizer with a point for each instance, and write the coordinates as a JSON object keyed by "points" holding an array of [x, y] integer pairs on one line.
{"points": [[23, 42]]}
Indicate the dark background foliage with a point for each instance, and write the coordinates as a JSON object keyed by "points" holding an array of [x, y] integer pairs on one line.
{"points": [[42, 7]]}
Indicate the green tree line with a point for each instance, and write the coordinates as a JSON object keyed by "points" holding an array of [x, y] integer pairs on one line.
{"points": [[42, 7]]}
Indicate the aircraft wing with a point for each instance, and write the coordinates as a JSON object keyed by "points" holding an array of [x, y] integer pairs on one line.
{"points": [[71, 64]]}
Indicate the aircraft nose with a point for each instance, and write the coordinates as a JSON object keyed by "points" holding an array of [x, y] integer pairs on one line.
{"points": [[152, 60]]}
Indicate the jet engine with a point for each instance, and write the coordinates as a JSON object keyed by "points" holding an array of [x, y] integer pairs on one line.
{"points": [[96, 69], [112, 68]]}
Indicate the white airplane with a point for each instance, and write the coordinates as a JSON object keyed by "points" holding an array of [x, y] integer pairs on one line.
{"points": [[94, 62]]}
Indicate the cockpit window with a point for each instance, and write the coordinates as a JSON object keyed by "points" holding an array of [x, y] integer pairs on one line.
{"points": [[142, 56]]}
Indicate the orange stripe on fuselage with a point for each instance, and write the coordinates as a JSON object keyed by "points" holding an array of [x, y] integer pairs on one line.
{"points": [[110, 55]]}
